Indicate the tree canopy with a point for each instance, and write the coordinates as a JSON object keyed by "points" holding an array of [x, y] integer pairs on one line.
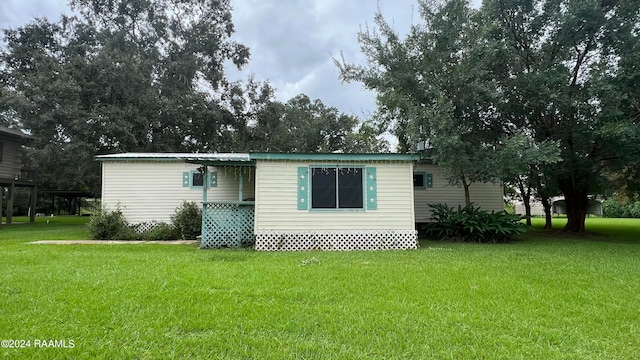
{"points": [[502, 90], [148, 76]]}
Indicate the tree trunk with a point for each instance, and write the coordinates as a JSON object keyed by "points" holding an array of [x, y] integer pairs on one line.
{"points": [[527, 209], [546, 204], [577, 203], [465, 185], [526, 200], [467, 198]]}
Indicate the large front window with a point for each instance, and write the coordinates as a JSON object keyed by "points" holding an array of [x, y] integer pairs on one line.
{"points": [[336, 188]]}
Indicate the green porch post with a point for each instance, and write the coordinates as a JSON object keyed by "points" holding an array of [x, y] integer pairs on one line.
{"points": [[204, 229], [205, 184], [240, 186]]}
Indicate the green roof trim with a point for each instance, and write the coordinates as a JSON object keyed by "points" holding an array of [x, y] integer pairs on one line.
{"points": [[334, 157]]}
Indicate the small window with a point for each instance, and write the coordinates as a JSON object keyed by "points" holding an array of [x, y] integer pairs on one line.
{"points": [[422, 180], [197, 179], [418, 180], [337, 188]]}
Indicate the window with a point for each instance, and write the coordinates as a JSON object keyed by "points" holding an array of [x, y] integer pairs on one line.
{"points": [[337, 188], [418, 180], [197, 179], [422, 180]]}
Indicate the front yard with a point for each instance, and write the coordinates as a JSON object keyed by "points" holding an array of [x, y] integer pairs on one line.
{"points": [[538, 297]]}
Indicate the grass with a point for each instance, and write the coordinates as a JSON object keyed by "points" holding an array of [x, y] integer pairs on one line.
{"points": [[544, 296], [45, 228], [601, 228]]}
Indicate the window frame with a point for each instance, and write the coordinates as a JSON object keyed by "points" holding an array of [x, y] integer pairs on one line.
{"points": [[427, 180], [363, 188]]}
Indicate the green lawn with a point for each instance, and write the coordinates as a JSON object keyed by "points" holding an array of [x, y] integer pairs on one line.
{"points": [[540, 297], [45, 228]]}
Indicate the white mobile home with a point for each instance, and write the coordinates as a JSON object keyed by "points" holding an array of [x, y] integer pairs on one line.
{"points": [[288, 201], [431, 186], [334, 201], [148, 187]]}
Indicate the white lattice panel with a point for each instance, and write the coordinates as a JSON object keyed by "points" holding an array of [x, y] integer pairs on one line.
{"points": [[143, 227], [227, 225], [340, 240]]}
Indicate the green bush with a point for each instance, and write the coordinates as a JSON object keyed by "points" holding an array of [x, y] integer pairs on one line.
{"points": [[614, 208], [161, 231], [471, 224], [187, 220], [110, 225]]}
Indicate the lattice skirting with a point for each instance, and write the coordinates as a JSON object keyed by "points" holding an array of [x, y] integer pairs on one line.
{"points": [[339, 240], [227, 225], [144, 226]]}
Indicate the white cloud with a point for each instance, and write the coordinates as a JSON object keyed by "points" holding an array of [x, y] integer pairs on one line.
{"points": [[292, 44]]}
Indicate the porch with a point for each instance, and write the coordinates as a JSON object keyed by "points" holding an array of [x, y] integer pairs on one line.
{"points": [[26, 179], [227, 223]]}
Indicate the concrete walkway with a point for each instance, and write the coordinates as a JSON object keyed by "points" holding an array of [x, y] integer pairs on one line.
{"points": [[111, 242]]}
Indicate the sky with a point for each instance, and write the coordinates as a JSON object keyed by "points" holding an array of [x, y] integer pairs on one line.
{"points": [[292, 42]]}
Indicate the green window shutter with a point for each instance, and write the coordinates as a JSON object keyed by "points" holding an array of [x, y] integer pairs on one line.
{"points": [[213, 179], [372, 188], [303, 188], [186, 179], [428, 180]]}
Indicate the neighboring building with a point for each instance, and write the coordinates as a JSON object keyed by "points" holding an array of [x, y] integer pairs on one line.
{"points": [[13, 173], [288, 201], [558, 207], [536, 208]]}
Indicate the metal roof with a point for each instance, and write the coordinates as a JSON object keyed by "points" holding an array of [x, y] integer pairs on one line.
{"points": [[244, 159], [217, 157], [334, 156]]}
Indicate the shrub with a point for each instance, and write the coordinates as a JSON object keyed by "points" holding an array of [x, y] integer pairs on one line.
{"points": [[471, 224], [161, 231], [110, 225], [187, 220], [614, 208]]}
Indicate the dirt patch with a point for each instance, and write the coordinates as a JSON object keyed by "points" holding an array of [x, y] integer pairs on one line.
{"points": [[110, 242]]}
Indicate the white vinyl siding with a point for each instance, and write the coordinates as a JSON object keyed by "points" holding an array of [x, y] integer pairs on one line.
{"points": [[277, 203], [489, 196], [150, 191]]}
